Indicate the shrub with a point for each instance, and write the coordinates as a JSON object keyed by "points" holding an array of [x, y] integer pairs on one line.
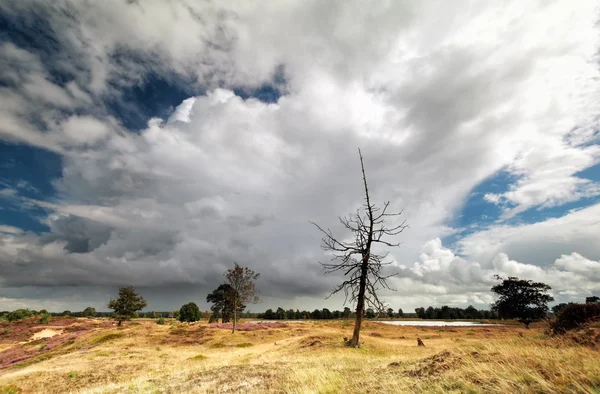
{"points": [[161, 321], [244, 345], [574, 316], [189, 313], [19, 314], [44, 319]]}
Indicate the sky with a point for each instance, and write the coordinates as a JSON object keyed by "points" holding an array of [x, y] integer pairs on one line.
{"points": [[154, 143]]}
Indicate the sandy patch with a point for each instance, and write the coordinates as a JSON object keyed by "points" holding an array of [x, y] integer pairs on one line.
{"points": [[45, 333]]}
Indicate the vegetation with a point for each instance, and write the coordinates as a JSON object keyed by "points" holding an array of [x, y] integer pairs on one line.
{"points": [[222, 300], [128, 303], [357, 259], [189, 313], [243, 289], [575, 316], [20, 314], [303, 358], [520, 299], [89, 312]]}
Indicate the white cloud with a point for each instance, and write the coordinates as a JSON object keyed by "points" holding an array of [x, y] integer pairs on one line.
{"points": [[438, 96]]}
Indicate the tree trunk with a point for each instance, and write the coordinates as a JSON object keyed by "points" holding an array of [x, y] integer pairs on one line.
{"points": [[119, 324], [360, 305], [234, 317]]}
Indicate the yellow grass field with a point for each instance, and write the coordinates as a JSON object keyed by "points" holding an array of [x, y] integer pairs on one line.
{"points": [[143, 357]]}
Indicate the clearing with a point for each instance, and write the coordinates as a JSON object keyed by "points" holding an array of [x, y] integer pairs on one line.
{"points": [[95, 356]]}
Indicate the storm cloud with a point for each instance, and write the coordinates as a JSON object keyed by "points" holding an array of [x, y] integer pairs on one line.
{"points": [[439, 97]]}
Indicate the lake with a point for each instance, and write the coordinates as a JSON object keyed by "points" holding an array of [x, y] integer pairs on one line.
{"points": [[435, 323]]}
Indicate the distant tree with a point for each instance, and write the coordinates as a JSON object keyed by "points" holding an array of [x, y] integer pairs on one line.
{"points": [[420, 313], [89, 312], [298, 315], [357, 259], [189, 313], [269, 314], [430, 313], [390, 312], [472, 313], [221, 298], [370, 314], [66, 313], [336, 314], [346, 313], [241, 280], [280, 314], [400, 313], [316, 314], [521, 299], [127, 304], [43, 312], [556, 309], [592, 300], [289, 314]]}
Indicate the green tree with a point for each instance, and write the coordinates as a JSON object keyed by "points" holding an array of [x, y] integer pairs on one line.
{"points": [[280, 314], [222, 307], [390, 312], [521, 299], [66, 313], [189, 313], [19, 314], [127, 304], [400, 313], [241, 280], [420, 312], [89, 312], [346, 313], [592, 300], [370, 313]]}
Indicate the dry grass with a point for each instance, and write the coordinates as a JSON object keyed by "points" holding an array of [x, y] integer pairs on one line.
{"points": [[308, 358]]}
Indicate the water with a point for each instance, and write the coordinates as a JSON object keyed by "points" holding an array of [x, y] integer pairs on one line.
{"points": [[436, 323]]}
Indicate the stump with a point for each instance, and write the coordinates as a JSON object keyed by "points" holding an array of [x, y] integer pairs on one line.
{"points": [[420, 342]]}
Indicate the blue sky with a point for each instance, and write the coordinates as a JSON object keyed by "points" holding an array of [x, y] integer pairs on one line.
{"points": [[141, 145]]}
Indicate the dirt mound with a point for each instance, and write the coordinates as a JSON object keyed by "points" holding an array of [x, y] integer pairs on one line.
{"points": [[46, 333], [312, 341], [436, 364]]}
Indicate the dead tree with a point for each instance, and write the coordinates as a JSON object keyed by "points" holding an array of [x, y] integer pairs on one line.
{"points": [[356, 258]]}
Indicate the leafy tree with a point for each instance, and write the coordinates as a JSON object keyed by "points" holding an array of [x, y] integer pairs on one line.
{"points": [[241, 280], [346, 313], [316, 314], [43, 312], [189, 313], [358, 259], [370, 313], [390, 312], [592, 300], [128, 303], [521, 299], [420, 313], [472, 313], [89, 312], [556, 309], [400, 313], [280, 314], [66, 313], [298, 315], [269, 314], [221, 298]]}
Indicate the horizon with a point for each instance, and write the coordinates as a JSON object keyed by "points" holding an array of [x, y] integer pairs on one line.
{"points": [[153, 144]]}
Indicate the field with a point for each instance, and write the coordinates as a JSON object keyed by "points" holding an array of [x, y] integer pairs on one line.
{"points": [[95, 356]]}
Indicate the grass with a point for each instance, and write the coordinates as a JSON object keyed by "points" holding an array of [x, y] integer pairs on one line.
{"points": [[106, 337], [311, 358]]}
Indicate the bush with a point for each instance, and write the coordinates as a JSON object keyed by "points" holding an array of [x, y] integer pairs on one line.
{"points": [[19, 314], [161, 321], [575, 316], [44, 319], [189, 313]]}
